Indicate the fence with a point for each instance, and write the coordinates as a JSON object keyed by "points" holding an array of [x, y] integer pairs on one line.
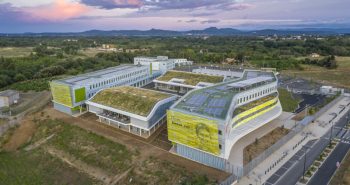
{"points": [[296, 130]]}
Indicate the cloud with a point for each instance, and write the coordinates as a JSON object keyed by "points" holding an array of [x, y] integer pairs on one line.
{"points": [[59, 10], [210, 21], [112, 4], [147, 5], [191, 21]]}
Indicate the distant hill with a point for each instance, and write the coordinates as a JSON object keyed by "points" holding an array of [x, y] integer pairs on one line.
{"points": [[212, 31]]}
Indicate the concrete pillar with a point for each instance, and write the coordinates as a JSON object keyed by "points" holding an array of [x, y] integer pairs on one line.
{"points": [[140, 131], [149, 133], [129, 128], [99, 119], [109, 121]]}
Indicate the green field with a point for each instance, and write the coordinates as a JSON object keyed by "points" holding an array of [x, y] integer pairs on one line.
{"points": [[288, 102], [85, 146], [338, 77], [40, 166], [15, 51]]}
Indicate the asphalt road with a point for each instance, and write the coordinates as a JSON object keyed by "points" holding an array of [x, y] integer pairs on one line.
{"points": [[326, 171], [295, 171]]}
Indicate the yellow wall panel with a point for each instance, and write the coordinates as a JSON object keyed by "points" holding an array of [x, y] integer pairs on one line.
{"points": [[254, 109], [193, 131], [61, 94]]}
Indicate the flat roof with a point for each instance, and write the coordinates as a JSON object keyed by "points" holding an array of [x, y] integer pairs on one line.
{"points": [[130, 99], [190, 78], [234, 73], [249, 82], [8, 93], [215, 101], [83, 79]]}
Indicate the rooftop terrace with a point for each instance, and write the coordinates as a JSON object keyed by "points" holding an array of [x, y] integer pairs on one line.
{"points": [[215, 101], [130, 99], [190, 78]]}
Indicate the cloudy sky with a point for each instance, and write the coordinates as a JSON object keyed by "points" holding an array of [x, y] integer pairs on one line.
{"points": [[18, 16]]}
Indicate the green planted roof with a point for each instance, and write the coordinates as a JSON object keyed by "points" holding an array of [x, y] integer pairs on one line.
{"points": [[130, 99], [190, 78]]}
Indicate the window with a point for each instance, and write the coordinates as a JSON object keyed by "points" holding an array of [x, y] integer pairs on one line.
{"points": [[220, 146], [220, 132]]}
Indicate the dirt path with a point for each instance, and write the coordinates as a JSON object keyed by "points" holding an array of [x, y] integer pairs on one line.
{"points": [[38, 143], [133, 142], [81, 166], [21, 135]]}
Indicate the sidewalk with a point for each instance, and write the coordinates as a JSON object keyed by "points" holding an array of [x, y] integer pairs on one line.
{"points": [[313, 131]]}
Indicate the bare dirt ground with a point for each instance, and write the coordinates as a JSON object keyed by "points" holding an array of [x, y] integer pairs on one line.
{"points": [[144, 146], [263, 143], [21, 135]]}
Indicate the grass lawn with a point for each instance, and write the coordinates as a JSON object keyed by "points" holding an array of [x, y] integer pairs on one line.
{"points": [[288, 102], [255, 149], [38, 167], [15, 51], [154, 171], [190, 78], [130, 99], [83, 145], [2, 121], [338, 77]]}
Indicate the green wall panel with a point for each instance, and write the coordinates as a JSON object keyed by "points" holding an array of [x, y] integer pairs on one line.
{"points": [[80, 94]]}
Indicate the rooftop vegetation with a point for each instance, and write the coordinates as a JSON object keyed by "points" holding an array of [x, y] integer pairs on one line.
{"points": [[254, 103], [130, 99], [190, 78]]}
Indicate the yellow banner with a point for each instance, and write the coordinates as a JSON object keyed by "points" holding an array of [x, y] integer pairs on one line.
{"points": [[193, 131], [61, 94]]}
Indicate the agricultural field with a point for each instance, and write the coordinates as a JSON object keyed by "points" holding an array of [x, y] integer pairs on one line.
{"points": [[15, 51], [337, 77]]}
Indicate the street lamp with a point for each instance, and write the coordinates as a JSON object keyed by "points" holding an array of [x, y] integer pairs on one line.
{"points": [[305, 160], [330, 138]]}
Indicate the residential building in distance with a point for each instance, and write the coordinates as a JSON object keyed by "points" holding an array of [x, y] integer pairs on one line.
{"points": [[135, 110], [70, 94], [8, 97], [206, 124], [181, 82], [161, 63]]}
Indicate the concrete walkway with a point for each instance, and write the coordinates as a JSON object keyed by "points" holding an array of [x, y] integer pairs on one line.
{"points": [[311, 132]]}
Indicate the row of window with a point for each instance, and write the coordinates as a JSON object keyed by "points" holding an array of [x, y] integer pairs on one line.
{"points": [[113, 80], [257, 94]]}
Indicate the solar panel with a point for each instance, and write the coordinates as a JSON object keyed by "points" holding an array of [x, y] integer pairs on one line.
{"points": [[210, 91], [214, 111], [217, 102], [197, 100]]}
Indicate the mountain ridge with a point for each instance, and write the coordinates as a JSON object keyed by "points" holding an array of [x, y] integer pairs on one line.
{"points": [[211, 31]]}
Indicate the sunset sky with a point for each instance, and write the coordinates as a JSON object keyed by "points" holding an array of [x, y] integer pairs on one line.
{"points": [[18, 16]]}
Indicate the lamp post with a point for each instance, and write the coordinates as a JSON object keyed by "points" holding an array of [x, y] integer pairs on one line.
{"points": [[330, 137], [304, 169]]}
